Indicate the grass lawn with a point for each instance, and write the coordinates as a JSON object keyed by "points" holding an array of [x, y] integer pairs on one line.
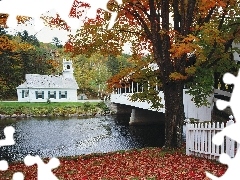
{"points": [[144, 164], [50, 109], [42, 104]]}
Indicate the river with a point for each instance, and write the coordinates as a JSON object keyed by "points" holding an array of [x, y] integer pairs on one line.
{"points": [[77, 136]]}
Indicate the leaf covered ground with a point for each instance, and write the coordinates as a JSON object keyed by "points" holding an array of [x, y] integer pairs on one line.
{"points": [[144, 164]]}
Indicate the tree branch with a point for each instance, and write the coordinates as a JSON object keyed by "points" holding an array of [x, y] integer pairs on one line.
{"points": [[141, 7], [189, 15], [132, 32], [140, 20], [207, 18], [177, 16]]}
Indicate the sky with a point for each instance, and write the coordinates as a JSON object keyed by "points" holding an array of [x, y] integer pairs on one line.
{"points": [[46, 34]]}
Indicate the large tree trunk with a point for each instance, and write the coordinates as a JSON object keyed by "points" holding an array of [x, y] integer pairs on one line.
{"points": [[174, 114], [173, 90]]}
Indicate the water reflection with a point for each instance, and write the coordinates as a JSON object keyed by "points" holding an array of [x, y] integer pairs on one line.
{"points": [[68, 137]]}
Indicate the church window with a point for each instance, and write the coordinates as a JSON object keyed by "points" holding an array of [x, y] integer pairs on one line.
{"points": [[22, 93], [25, 93], [52, 94], [39, 94], [62, 94]]}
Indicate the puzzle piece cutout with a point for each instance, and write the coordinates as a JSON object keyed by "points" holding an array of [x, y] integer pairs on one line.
{"points": [[63, 8], [8, 133], [35, 8], [18, 176], [233, 167], [92, 12], [231, 131], [44, 170], [8, 141], [3, 165]]}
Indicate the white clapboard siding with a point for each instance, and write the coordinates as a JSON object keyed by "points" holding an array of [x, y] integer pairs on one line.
{"points": [[199, 140]]}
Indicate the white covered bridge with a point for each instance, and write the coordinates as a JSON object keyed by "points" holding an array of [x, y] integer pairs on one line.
{"points": [[139, 109]]}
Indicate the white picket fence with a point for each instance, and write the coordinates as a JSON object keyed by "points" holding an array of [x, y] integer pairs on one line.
{"points": [[199, 140]]}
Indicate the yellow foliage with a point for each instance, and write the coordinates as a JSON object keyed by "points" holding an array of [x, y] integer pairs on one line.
{"points": [[177, 76], [23, 19], [13, 45], [24, 47], [189, 38], [21, 46], [210, 34], [190, 70], [6, 44]]}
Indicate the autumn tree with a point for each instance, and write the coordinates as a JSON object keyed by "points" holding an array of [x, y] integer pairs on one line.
{"points": [[172, 31], [21, 54], [91, 74], [11, 76]]}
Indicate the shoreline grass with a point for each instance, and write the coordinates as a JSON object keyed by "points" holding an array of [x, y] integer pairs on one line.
{"points": [[42, 104], [53, 109]]}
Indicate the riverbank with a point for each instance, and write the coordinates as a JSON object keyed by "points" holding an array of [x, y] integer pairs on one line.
{"points": [[146, 163], [19, 110]]}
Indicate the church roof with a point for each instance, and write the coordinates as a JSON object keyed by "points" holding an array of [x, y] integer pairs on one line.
{"points": [[48, 81]]}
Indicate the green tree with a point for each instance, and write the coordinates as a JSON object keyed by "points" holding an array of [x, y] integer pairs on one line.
{"points": [[31, 39], [116, 64], [57, 42], [91, 74]]}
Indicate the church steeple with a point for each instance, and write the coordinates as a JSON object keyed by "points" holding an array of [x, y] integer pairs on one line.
{"points": [[67, 69]]}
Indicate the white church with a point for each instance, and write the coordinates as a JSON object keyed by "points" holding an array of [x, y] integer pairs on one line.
{"points": [[56, 88]]}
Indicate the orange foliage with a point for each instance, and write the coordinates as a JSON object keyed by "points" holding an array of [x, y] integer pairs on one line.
{"points": [[56, 22], [54, 63], [3, 20], [185, 46], [119, 79], [20, 19], [126, 75], [205, 5]]}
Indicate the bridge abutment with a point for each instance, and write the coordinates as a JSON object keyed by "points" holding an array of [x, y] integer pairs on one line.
{"points": [[138, 116], [142, 116], [122, 109]]}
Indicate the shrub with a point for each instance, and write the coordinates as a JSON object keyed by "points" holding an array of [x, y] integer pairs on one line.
{"points": [[104, 107], [86, 106]]}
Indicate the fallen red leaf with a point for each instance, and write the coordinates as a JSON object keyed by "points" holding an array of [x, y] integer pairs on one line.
{"points": [[139, 164]]}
